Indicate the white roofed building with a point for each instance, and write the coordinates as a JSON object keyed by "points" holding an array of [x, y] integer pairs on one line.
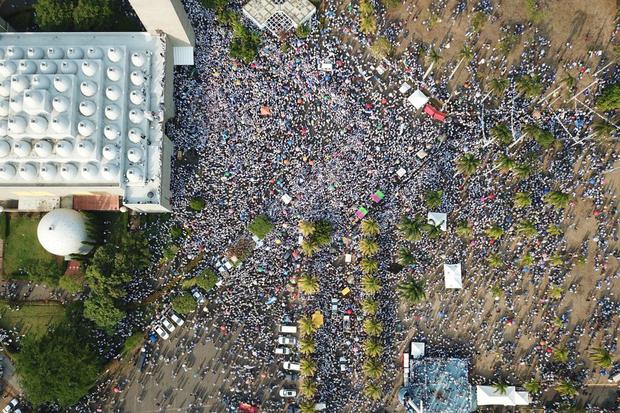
{"points": [[63, 232], [488, 395], [279, 16]]}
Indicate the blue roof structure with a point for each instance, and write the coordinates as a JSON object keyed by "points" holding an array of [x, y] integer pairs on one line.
{"points": [[438, 385]]}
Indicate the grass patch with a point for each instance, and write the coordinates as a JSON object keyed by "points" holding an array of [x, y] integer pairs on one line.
{"points": [[261, 226], [32, 318], [133, 342]]}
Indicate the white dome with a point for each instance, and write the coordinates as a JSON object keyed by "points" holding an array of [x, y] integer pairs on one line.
{"points": [[60, 103], [136, 115], [137, 78], [34, 53], [114, 73], [89, 69], [26, 67], [112, 92], [85, 148], [7, 68], [75, 53], [55, 53], [112, 112], [17, 124], [47, 67], [109, 152], [110, 171], [43, 148], [111, 132], [4, 107], [134, 155], [61, 83], [13, 52], [63, 232], [60, 124], [5, 148], [89, 171], [64, 148], [4, 127], [87, 107], [40, 82], [33, 99], [134, 174], [86, 127], [16, 103], [48, 171], [5, 88], [7, 171], [138, 59], [94, 53], [19, 83], [68, 171], [135, 135], [68, 67], [88, 88], [114, 54], [136, 97], [38, 124], [27, 171], [22, 148]]}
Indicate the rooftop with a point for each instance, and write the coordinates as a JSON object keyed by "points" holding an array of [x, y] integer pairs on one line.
{"points": [[279, 15]]}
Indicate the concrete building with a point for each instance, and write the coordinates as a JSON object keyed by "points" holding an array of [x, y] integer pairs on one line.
{"points": [[279, 16]]}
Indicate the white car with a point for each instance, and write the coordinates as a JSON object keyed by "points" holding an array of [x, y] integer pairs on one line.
{"points": [[169, 326], [12, 404], [283, 350], [287, 341], [288, 393], [200, 298], [287, 365], [162, 333], [177, 320]]}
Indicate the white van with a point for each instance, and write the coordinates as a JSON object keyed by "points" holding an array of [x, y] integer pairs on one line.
{"points": [[288, 329], [287, 365]]}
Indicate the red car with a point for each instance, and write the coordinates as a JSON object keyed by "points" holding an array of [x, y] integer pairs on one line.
{"points": [[248, 408]]}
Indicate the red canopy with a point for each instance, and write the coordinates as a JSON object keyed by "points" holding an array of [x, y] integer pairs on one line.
{"points": [[434, 113]]}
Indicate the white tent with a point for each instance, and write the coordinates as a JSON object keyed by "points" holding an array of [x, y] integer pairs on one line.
{"points": [[487, 395], [417, 349], [286, 198], [452, 275], [404, 88], [418, 99], [401, 172], [436, 218]]}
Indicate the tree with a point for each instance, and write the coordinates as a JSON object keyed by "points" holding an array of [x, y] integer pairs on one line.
{"points": [[433, 231], [71, 283], [554, 230], [368, 247], [54, 15], [370, 306], [306, 228], [566, 388], [245, 43], [529, 85], [373, 348], [184, 304], [498, 86], [532, 386], [502, 134], [59, 367], [92, 15], [466, 52], [464, 230], [307, 346], [309, 248], [497, 291], [601, 357], [495, 260], [103, 312], [381, 48], [306, 326], [404, 257], [260, 226], [609, 98], [527, 228], [307, 406], [307, 367], [560, 354], [307, 388], [197, 204], [323, 232], [371, 284], [544, 138], [308, 284], [494, 232], [555, 292], [302, 31], [369, 266], [368, 24], [214, 4], [373, 327], [522, 199], [504, 163], [433, 56], [557, 199], [411, 229], [467, 164], [523, 170], [372, 368], [370, 227], [372, 391], [501, 388], [603, 131], [206, 280], [412, 291], [433, 199]]}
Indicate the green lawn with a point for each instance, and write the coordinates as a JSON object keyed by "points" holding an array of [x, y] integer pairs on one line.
{"points": [[24, 257], [34, 318]]}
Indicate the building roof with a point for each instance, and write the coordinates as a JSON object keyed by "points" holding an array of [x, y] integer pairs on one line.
{"points": [[278, 15], [62, 232], [96, 202], [82, 110], [488, 395], [418, 99]]}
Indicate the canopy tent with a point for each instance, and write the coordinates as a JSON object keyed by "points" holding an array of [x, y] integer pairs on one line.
{"points": [[418, 99], [434, 113], [361, 212], [488, 395], [348, 258], [404, 88], [401, 172], [421, 154], [286, 198], [417, 349], [377, 196], [438, 218], [452, 275], [265, 111]]}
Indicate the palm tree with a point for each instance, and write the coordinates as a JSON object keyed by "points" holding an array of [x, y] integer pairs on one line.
{"points": [[555, 292], [370, 306], [463, 230], [498, 86], [404, 257], [372, 368], [529, 85], [371, 284], [307, 367], [603, 131], [307, 406], [368, 247], [569, 80], [466, 52], [494, 232], [309, 248], [370, 227], [557, 199], [544, 138], [554, 230], [556, 260], [532, 386], [433, 231], [307, 388], [522, 170], [373, 348], [306, 326], [433, 199], [467, 164], [412, 291], [497, 291], [601, 357], [522, 199], [307, 346], [308, 284], [501, 388], [373, 327], [433, 56], [369, 266], [566, 388], [306, 228], [526, 260], [372, 391], [368, 24], [495, 260], [502, 134], [504, 163], [560, 354], [411, 229], [527, 228]]}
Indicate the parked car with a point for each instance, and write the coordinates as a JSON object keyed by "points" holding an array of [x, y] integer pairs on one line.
{"points": [[200, 298], [287, 341], [287, 393], [287, 365], [283, 350], [177, 320], [9, 407], [288, 329], [335, 305], [169, 326], [346, 323], [161, 333], [343, 363]]}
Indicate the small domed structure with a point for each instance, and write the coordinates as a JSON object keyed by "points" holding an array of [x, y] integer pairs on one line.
{"points": [[63, 232]]}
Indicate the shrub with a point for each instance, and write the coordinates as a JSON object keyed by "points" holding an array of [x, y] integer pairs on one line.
{"points": [[610, 98], [206, 280], [184, 304], [54, 15], [261, 226], [71, 284], [197, 204], [381, 48]]}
